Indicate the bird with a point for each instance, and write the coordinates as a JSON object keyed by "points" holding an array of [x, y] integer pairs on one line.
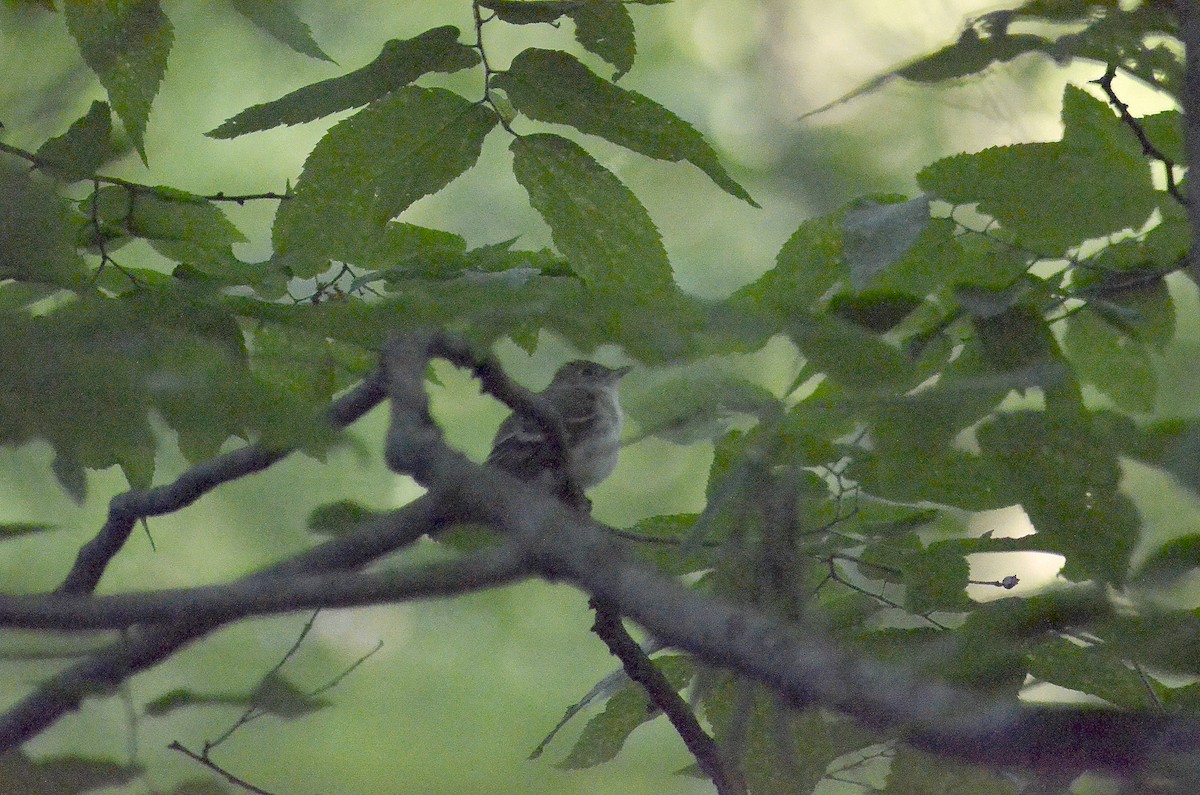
{"points": [[585, 395]]}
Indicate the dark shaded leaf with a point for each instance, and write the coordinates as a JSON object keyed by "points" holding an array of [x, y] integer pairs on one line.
{"points": [[369, 168], [335, 518], [37, 237], [876, 236], [126, 43], [596, 222], [553, 86], [1053, 196], [279, 20], [83, 148], [605, 734], [605, 28], [400, 62]]}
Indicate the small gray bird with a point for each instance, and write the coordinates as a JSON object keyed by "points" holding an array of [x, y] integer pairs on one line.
{"points": [[585, 394]]}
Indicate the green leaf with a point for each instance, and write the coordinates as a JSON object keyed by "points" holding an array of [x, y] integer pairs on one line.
{"points": [[553, 86], [1067, 480], [1018, 341], [126, 43], [605, 28], [808, 266], [595, 221], [164, 214], [1092, 670], [1172, 559], [853, 357], [370, 168], [401, 62], [877, 312], [83, 148], [780, 751], [1165, 131], [915, 773], [876, 236], [278, 19], [605, 734], [528, 12], [697, 405], [37, 238], [1115, 363], [1054, 196], [936, 578]]}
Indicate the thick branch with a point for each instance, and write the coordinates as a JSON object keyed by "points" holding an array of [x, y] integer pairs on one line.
{"points": [[800, 662], [1190, 30], [145, 647], [262, 595]]}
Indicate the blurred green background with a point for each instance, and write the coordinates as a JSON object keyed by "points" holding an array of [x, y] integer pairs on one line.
{"points": [[463, 690]]}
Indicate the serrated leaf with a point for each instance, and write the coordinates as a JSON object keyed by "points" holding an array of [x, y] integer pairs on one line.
{"points": [[876, 236], [605, 28], [553, 86], [528, 12], [164, 215], [1054, 196], [400, 62], [278, 19], [369, 168], [698, 405], [83, 148], [595, 221], [629, 708], [1092, 670], [126, 43], [1067, 480], [1113, 362], [807, 267], [853, 357], [37, 239]]}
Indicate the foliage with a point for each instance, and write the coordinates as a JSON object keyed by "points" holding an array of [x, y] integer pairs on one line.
{"points": [[994, 341]]}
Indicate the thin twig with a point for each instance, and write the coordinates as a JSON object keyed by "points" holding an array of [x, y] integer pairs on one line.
{"points": [[658, 689], [1148, 147], [214, 767], [219, 196], [252, 712]]}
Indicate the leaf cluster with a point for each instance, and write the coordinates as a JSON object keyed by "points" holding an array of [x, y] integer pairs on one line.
{"points": [[996, 340]]}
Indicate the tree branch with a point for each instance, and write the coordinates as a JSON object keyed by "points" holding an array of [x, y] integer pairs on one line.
{"points": [[1189, 24], [661, 694], [126, 509], [262, 595], [800, 662]]}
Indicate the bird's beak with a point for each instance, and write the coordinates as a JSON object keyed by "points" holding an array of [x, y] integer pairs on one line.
{"points": [[621, 372]]}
